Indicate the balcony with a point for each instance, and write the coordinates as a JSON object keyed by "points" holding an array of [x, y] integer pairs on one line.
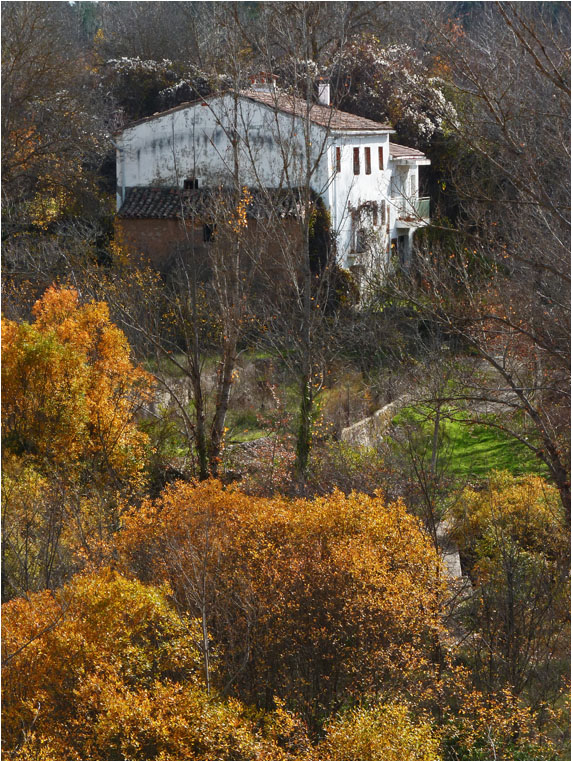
{"points": [[413, 211]]}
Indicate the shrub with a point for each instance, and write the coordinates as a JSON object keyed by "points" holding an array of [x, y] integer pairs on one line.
{"points": [[311, 601]]}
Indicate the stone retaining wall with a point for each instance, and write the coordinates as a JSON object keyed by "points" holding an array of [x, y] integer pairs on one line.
{"points": [[368, 431]]}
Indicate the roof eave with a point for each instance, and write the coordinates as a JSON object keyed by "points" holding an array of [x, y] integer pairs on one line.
{"points": [[358, 132], [302, 115], [411, 161], [384, 129]]}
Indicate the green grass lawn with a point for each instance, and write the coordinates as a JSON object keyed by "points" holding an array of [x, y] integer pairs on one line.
{"points": [[475, 449]]}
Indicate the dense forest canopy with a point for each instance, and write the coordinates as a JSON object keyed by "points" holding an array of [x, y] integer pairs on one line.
{"points": [[198, 561]]}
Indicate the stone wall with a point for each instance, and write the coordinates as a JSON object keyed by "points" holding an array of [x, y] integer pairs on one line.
{"points": [[368, 431]]}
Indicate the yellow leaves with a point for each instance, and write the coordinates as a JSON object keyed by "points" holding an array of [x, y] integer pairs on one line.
{"points": [[55, 306], [498, 725], [379, 732], [111, 671], [71, 446], [526, 509], [320, 575], [70, 388], [239, 220], [122, 255], [514, 533], [45, 209]]}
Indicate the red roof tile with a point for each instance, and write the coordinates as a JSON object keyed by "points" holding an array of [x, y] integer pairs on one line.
{"points": [[404, 152], [325, 116]]}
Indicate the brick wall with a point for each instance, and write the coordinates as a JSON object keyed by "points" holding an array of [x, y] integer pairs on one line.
{"points": [[157, 241]]}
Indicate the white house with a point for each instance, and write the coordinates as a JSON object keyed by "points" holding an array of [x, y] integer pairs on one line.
{"points": [[276, 141]]}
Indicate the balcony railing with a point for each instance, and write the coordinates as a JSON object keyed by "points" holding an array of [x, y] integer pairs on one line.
{"points": [[412, 209]]}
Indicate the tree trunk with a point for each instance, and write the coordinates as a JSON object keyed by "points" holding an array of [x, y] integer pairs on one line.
{"points": [[304, 438], [224, 385], [200, 431]]}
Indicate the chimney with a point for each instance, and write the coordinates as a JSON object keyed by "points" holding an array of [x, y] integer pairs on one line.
{"points": [[324, 93], [263, 82]]}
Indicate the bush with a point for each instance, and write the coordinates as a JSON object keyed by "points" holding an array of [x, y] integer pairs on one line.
{"points": [[311, 601], [379, 732], [107, 669]]}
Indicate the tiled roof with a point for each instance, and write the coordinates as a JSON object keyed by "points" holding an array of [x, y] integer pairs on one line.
{"points": [[325, 116], [174, 203], [151, 202], [404, 152]]}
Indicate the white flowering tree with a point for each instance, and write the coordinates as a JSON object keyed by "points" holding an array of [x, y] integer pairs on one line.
{"points": [[391, 84]]}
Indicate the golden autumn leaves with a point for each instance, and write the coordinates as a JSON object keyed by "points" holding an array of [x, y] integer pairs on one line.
{"points": [[295, 590], [207, 623], [239, 219], [115, 678], [70, 389], [72, 451], [107, 668], [332, 608]]}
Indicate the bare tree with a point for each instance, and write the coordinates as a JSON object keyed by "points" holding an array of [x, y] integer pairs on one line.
{"points": [[210, 285], [499, 282], [292, 36], [51, 124]]}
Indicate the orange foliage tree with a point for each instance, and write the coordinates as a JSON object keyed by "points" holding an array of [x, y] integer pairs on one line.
{"points": [[312, 601], [70, 390], [71, 446], [107, 669]]}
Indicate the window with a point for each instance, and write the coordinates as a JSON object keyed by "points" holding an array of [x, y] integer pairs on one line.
{"points": [[338, 159], [191, 183], [356, 161], [361, 241], [383, 212], [412, 185], [355, 229], [208, 233], [367, 160], [374, 214], [402, 248], [380, 155]]}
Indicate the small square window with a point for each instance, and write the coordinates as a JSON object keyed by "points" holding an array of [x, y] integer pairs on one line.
{"points": [[191, 183]]}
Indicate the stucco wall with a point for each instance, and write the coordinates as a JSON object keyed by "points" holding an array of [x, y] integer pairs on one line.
{"points": [[196, 142]]}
